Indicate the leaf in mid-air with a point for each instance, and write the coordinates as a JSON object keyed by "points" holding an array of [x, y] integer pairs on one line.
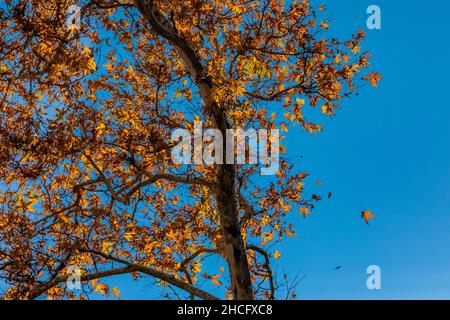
{"points": [[366, 215]]}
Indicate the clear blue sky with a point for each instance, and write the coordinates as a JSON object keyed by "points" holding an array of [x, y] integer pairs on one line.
{"points": [[388, 151]]}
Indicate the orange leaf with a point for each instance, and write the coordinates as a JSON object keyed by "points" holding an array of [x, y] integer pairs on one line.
{"points": [[215, 281], [366, 215], [116, 292]]}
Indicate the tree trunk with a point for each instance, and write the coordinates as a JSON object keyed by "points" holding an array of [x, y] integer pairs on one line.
{"points": [[234, 248]]}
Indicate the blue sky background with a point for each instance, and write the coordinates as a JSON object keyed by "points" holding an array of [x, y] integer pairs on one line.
{"points": [[388, 151]]}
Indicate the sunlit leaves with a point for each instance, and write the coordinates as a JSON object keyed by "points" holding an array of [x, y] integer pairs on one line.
{"points": [[102, 289], [86, 119], [373, 78]]}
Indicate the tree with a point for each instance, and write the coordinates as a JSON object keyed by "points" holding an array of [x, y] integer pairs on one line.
{"points": [[86, 120]]}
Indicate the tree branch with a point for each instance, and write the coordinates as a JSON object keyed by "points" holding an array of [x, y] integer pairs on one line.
{"points": [[59, 279], [267, 267], [105, 180], [185, 263], [249, 211], [157, 274], [152, 178]]}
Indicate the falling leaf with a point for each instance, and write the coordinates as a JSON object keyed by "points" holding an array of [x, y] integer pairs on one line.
{"points": [[366, 215]]}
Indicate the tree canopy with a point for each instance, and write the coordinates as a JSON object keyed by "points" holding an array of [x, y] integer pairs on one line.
{"points": [[86, 118]]}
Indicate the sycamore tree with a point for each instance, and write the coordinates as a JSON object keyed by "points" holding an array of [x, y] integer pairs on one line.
{"points": [[90, 95]]}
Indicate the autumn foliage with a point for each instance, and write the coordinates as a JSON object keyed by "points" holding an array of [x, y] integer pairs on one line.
{"points": [[86, 117]]}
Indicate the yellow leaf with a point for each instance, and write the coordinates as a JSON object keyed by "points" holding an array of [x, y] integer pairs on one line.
{"points": [[356, 49], [93, 283], [196, 267], [277, 255], [116, 292], [129, 236], [171, 235], [101, 288], [86, 51], [107, 247], [92, 66], [300, 102], [289, 233], [101, 128], [64, 219], [240, 91]]}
